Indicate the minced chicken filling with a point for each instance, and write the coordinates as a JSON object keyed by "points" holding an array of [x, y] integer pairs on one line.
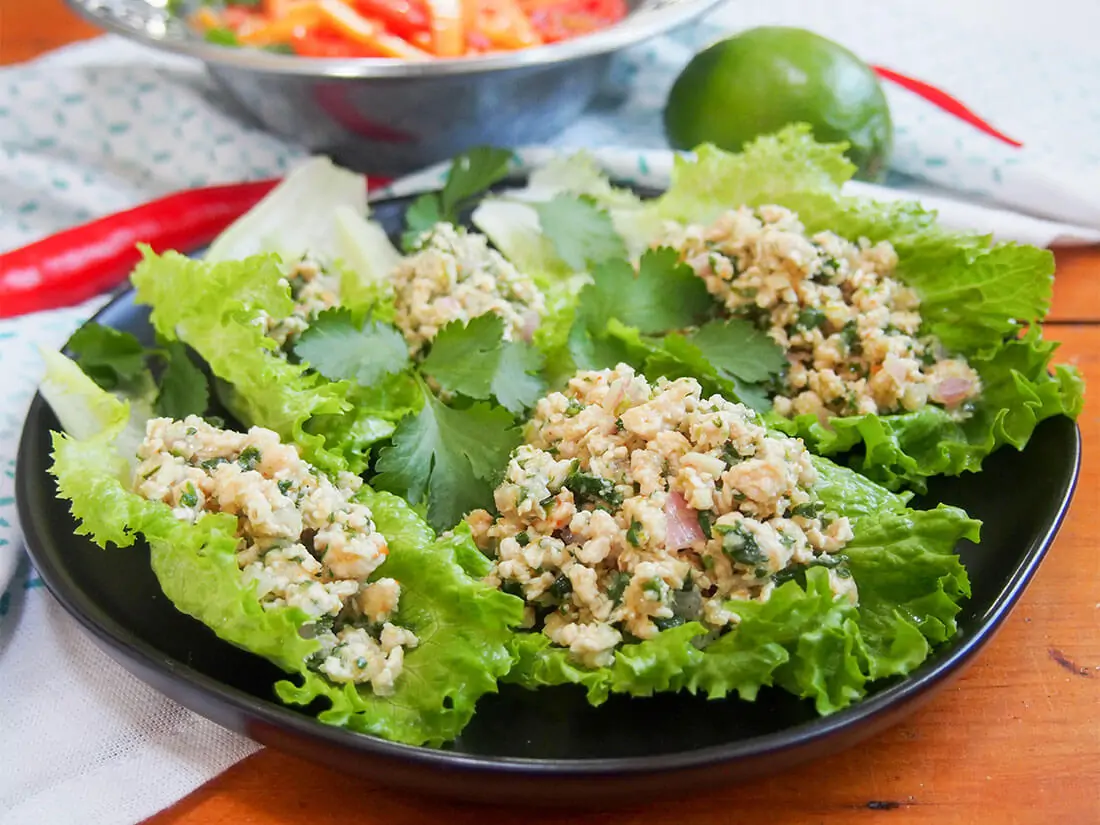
{"points": [[314, 290], [851, 331], [456, 275], [633, 507], [304, 541]]}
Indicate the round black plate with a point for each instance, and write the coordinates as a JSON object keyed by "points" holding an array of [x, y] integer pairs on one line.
{"points": [[549, 746]]}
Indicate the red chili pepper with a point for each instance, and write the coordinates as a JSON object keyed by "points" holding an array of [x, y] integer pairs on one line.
{"points": [[940, 98], [77, 263]]}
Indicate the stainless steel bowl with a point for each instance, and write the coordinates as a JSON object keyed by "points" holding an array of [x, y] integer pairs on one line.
{"points": [[389, 116]]}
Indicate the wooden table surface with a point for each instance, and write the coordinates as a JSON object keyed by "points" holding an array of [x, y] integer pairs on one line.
{"points": [[1014, 741]]}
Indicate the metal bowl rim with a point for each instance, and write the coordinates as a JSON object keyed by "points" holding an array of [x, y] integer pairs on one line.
{"points": [[637, 26]]}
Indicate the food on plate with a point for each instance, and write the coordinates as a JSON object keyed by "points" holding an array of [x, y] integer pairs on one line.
{"points": [[343, 587], [747, 273], [304, 541], [633, 508], [665, 540], [413, 30], [584, 441], [850, 330], [454, 275], [760, 80]]}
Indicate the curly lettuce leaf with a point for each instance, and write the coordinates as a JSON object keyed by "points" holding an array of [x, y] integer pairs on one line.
{"points": [[639, 669], [514, 221], [463, 628], [982, 300], [218, 309], [803, 639], [1017, 393], [462, 623]]}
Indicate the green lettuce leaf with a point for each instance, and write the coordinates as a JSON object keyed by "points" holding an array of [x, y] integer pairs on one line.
{"points": [[803, 639], [982, 300], [217, 309], [463, 628], [462, 623]]}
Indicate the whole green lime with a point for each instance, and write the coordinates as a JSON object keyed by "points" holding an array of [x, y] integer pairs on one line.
{"points": [[763, 79]]}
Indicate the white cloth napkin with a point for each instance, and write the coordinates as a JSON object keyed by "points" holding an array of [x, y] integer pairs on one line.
{"points": [[105, 125]]}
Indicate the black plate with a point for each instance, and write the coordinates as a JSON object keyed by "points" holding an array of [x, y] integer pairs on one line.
{"points": [[545, 747]]}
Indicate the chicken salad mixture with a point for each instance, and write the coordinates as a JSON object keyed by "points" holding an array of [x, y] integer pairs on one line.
{"points": [[850, 329], [314, 289], [633, 507], [456, 275], [304, 541]]}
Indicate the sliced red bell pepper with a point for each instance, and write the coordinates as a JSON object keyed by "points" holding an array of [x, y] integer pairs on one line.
{"points": [[405, 18], [349, 23]]}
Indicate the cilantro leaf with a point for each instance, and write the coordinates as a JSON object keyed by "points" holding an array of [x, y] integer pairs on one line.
{"points": [[448, 457], [475, 360], [581, 232], [679, 357], [471, 173], [183, 386], [340, 350], [664, 294], [422, 215], [740, 349], [114, 360], [463, 356], [516, 383]]}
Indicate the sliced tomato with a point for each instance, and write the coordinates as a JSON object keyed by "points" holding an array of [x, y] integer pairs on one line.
{"points": [[503, 23], [355, 27], [405, 18], [557, 20]]}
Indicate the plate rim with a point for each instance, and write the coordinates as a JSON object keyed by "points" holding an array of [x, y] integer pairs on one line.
{"points": [[952, 658]]}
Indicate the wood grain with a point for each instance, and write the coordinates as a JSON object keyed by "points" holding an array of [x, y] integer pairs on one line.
{"points": [[1015, 741]]}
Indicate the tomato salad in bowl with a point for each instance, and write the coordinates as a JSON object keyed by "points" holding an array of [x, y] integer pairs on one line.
{"points": [[404, 29]]}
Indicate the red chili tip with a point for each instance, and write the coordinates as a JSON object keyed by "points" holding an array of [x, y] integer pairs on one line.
{"points": [[940, 98]]}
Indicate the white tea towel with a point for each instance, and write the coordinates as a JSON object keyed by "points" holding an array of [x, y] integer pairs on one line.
{"points": [[105, 125]]}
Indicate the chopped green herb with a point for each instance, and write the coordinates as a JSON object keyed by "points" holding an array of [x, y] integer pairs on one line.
{"points": [[618, 586], [740, 544], [808, 510], [573, 408], [730, 454], [190, 497], [285, 485], [635, 535], [810, 318], [850, 336], [561, 587], [590, 489], [654, 589], [522, 539], [670, 622], [192, 430], [705, 517], [797, 572], [249, 457], [211, 463], [513, 588]]}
